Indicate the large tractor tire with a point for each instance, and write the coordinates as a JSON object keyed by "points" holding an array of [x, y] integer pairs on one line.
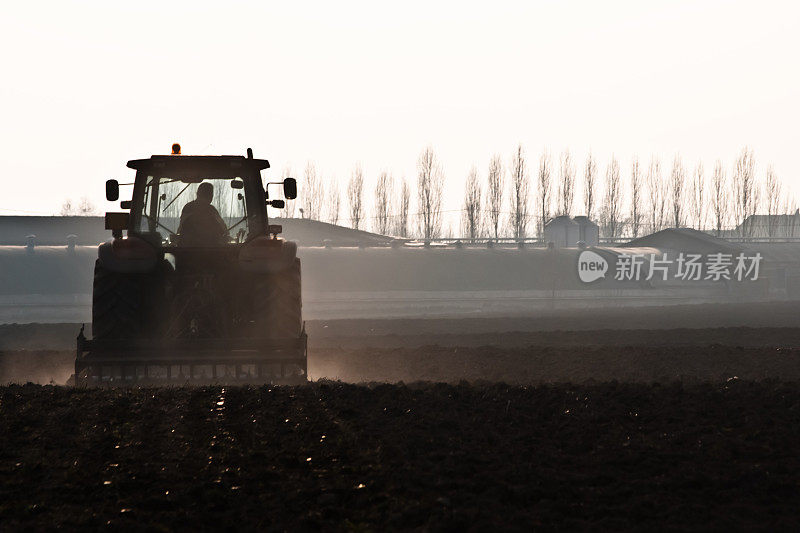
{"points": [[116, 304], [278, 304]]}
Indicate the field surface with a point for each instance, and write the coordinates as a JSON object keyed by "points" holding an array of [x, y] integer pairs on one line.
{"points": [[452, 457], [676, 418]]}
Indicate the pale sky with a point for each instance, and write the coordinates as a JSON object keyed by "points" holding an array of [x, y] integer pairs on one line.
{"points": [[88, 85]]}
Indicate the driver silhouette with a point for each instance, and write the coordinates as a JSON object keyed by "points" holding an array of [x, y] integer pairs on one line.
{"points": [[200, 222]]}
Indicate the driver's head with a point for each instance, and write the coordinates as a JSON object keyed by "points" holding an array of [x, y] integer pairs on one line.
{"points": [[205, 192]]}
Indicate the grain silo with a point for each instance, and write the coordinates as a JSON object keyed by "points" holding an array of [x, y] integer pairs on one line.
{"points": [[562, 231], [588, 231]]}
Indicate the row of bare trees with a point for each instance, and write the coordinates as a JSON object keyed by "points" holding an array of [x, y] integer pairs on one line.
{"points": [[392, 201], [84, 208], [507, 203], [323, 201], [648, 202]]}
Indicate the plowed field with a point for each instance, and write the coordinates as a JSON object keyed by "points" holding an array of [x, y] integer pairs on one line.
{"points": [[662, 419], [336, 456]]}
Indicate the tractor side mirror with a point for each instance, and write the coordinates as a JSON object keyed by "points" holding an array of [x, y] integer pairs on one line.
{"points": [[112, 190], [290, 188]]}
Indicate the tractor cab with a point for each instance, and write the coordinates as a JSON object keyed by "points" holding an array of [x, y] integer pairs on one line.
{"points": [[197, 201]]}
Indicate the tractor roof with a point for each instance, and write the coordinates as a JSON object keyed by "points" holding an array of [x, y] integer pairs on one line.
{"points": [[198, 165]]}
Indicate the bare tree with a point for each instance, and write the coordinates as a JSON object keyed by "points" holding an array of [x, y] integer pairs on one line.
{"points": [[772, 196], [589, 179], [471, 220], [636, 198], [430, 183], [656, 195], [698, 196], [520, 193], [719, 197], [355, 196], [289, 206], [334, 202], [86, 208], [545, 185], [447, 232], [405, 203], [745, 198], [494, 193], [383, 191], [313, 192], [612, 201], [790, 209], [566, 185], [677, 179], [67, 209]]}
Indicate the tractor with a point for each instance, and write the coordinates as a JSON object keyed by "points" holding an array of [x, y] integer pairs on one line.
{"points": [[201, 289]]}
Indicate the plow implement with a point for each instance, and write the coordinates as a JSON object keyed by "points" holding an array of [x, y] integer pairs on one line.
{"points": [[199, 361]]}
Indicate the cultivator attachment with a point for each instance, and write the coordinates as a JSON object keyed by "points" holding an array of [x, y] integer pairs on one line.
{"points": [[198, 361]]}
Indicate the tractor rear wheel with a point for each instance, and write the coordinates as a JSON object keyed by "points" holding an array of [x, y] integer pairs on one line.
{"points": [[278, 304], [116, 304]]}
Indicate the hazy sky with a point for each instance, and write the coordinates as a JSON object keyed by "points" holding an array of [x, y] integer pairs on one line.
{"points": [[88, 85]]}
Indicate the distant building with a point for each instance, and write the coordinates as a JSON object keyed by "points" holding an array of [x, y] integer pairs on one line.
{"points": [[588, 231], [562, 231], [762, 226], [58, 231], [685, 240], [52, 231], [566, 232]]}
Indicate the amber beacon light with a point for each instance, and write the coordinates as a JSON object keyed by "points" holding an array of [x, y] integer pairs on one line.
{"points": [[176, 149]]}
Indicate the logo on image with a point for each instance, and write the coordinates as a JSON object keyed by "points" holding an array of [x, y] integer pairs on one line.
{"points": [[591, 266]]}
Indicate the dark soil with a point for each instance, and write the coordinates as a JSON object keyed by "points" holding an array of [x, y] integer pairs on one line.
{"points": [[702, 316], [636, 419], [620, 325], [517, 358], [444, 457], [548, 364], [524, 365]]}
